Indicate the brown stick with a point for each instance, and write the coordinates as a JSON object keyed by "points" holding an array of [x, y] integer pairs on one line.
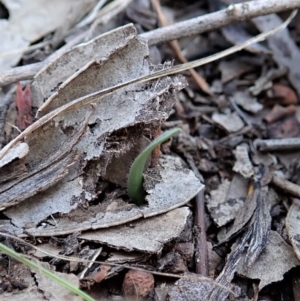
{"points": [[286, 185], [201, 253]]}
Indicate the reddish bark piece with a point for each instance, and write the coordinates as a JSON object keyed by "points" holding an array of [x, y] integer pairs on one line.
{"points": [[23, 105], [138, 284], [101, 274], [285, 94], [278, 112]]}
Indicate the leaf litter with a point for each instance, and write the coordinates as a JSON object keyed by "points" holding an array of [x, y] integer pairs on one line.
{"points": [[63, 179]]}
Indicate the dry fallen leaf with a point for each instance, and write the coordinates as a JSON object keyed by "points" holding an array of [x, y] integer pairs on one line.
{"points": [[277, 259], [144, 235]]}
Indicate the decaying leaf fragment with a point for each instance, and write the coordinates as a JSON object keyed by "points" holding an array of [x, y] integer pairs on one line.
{"points": [[68, 65], [267, 257], [40, 181], [19, 151], [145, 235], [227, 199], [258, 227], [255, 237], [243, 216], [227, 274]]}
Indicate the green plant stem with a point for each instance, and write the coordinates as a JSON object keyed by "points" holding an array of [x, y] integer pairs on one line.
{"points": [[46, 272], [135, 178]]}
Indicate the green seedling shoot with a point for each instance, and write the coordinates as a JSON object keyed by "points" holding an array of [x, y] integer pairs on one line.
{"points": [[135, 179]]}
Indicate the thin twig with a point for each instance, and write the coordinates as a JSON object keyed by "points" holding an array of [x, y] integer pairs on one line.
{"points": [[201, 254], [213, 21]]}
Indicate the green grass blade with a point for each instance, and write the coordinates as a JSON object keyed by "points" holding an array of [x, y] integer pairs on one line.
{"points": [[46, 272], [135, 178]]}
